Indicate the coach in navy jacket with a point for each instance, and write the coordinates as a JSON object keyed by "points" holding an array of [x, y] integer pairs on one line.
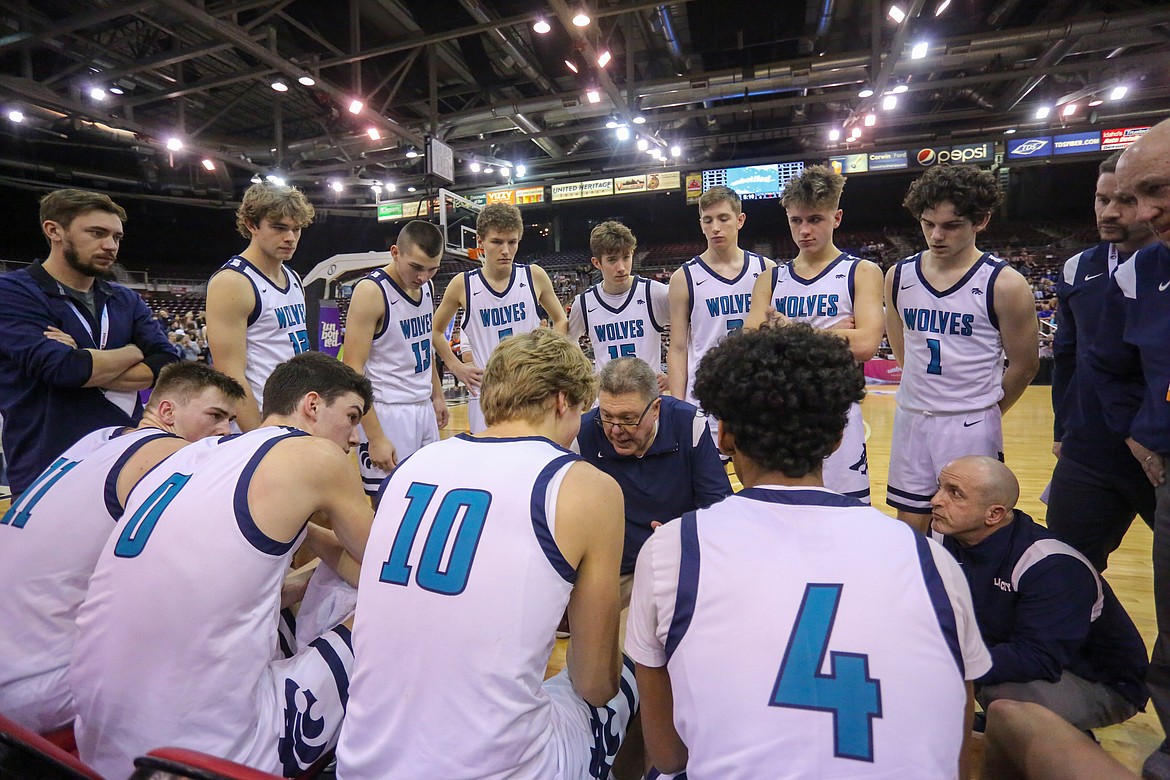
{"points": [[664, 460], [74, 347], [1057, 634]]}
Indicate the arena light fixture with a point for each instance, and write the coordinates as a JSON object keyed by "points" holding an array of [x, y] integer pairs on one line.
{"points": [[1010, 131], [474, 166], [412, 152], [643, 144], [604, 58], [276, 179], [901, 88], [571, 65], [623, 133], [918, 51], [117, 91], [1095, 102], [307, 80], [208, 164], [97, 93], [412, 189], [541, 26], [611, 124], [1069, 109], [256, 179], [593, 96], [16, 116], [834, 134], [942, 7], [870, 120], [356, 106], [174, 144], [336, 186], [897, 14], [1043, 112], [639, 120], [521, 170], [504, 171], [889, 102], [1118, 92], [374, 134], [487, 169], [391, 186], [865, 92], [279, 86], [581, 19], [676, 151], [855, 133]]}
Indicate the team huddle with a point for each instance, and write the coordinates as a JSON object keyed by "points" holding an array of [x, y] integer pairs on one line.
{"points": [[788, 630]]}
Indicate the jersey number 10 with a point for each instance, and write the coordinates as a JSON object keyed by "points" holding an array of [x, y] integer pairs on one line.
{"points": [[472, 505]]}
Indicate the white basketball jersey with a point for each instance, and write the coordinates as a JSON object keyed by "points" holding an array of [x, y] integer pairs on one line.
{"points": [[50, 540], [180, 623], [490, 317], [822, 301], [399, 365], [276, 327], [718, 306], [953, 353], [626, 327], [461, 590], [850, 661]]}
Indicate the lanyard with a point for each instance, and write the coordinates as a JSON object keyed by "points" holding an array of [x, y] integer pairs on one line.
{"points": [[99, 342]]}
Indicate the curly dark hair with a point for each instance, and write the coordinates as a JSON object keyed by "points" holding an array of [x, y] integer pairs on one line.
{"points": [[973, 191], [783, 392]]}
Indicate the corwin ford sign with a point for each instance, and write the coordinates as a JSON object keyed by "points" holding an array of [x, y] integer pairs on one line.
{"points": [[1028, 148], [964, 153]]}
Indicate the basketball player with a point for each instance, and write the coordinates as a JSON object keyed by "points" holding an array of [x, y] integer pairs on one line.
{"points": [[177, 639], [625, 314], [451, 649], [830, 290], [736, 687], [388, 338], [1097, 486], [710, 294], [953, 313], [1131, 366], [50, 538], [500, 299], [255, 302]]}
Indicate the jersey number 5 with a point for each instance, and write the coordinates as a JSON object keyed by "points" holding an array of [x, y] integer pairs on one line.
{"points": [[472, 505], [847, 691]]}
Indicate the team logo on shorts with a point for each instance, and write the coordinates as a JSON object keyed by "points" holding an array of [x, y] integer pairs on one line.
{"points": [[302, 742], [605, 741]]}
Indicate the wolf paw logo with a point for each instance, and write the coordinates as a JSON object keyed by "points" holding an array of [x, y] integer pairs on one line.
{"points": [[862, 464], [301, 744]]}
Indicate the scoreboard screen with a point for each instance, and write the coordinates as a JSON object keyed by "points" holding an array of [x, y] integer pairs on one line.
{"points": [[754, 182]]}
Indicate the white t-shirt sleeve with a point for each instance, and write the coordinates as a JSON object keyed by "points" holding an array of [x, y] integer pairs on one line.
{"points": [[976, 658], [660, 302], [577, 319], [653, 597]]}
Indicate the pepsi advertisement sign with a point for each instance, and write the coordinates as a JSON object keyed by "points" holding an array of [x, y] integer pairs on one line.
{"points": [[955, 155], [1071, 143], [1029, 148]]}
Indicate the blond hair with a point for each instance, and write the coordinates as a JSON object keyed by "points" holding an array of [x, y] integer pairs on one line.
{"points": [[501, 217], [719, 194], [611, 238], [816, 187], [526, 372], [269, 200]]}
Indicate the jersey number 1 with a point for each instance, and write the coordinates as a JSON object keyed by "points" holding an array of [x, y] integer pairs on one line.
{"points": [[935, 365], [847, 691], [472, 505]]}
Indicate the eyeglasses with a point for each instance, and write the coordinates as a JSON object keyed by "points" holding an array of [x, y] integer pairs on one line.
{"points": [[605, 424]]}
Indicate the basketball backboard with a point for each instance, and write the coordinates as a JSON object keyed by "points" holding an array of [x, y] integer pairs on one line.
{"points": [[457, 217]]}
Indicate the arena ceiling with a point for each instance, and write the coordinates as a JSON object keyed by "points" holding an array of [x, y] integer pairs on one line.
{"points": [[723, 80]]}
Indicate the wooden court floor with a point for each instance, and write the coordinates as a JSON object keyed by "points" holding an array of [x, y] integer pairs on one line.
{"points": [[1028, 442]]}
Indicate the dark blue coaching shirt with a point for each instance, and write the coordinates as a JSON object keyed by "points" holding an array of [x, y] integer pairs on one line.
{"points": [[681, 472], [1130, 358], [46, 409]]}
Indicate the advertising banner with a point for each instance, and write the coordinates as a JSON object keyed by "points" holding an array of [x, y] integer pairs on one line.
{"points": [[529, 195], [329, 330], [1070, 143], [389, 211], [964, 153], [666, 180], [1029, 148], [694, 188], [850, 163], [630, 183], [569, 191], [596, 188], [887, 161], [502, 196], [1120, 137]]}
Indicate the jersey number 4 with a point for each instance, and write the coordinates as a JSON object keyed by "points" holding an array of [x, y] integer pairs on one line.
{"points": [[847, 691], [472, 505]]}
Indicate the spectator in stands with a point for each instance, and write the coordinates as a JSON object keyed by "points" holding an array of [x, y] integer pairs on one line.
{"points": [[1057, 634], [188, 348], [75, 348]]}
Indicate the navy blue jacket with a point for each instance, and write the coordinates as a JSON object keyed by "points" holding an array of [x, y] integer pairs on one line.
{"points": [[1034, 598], [1130, 358], [45, 406], [1079, 419], [681, 472]]}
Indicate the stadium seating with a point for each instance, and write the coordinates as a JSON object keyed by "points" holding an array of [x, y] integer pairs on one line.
{"points": [[25, 755]]}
